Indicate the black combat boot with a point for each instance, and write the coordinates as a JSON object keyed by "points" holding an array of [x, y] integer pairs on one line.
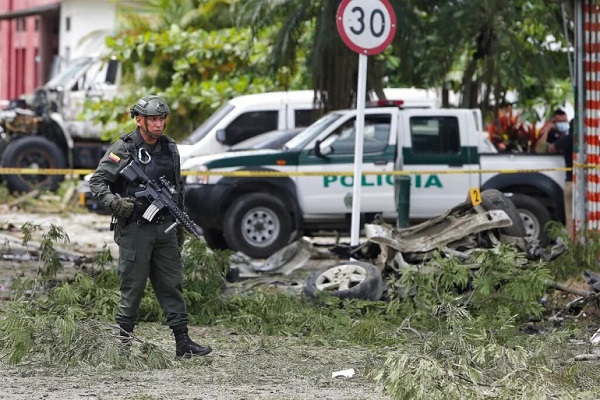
{"points": [[186, 347], [126, 333]]}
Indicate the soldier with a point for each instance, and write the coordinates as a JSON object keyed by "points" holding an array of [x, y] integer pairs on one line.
{"points": [[145, 250]]}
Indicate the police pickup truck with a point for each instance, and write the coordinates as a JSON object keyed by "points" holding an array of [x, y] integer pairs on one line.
{"points": [[444, 151]]}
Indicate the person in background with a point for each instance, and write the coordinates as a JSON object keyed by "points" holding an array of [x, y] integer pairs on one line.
{"points": [[146, 251], [557, 139], [556, 128]]}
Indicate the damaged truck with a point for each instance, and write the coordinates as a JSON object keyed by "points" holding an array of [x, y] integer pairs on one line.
{"points": [[46, 131]]}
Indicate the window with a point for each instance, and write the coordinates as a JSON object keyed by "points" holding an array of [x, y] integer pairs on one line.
{"points": [[203, 130], [375, 137], [36, 67], [68, 24], [97, 76], [20, 24], [37, 24], [303, 117], [435, 135], [251, 124]]}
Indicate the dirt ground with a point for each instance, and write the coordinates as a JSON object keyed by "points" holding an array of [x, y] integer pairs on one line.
{"points": [[241, 366]]}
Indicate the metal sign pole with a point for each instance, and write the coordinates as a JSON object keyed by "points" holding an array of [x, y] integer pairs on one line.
{"points": [[367, 27], [358, 148]]}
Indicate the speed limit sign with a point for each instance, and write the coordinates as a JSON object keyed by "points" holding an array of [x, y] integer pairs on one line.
{"points": [[366, 26]]}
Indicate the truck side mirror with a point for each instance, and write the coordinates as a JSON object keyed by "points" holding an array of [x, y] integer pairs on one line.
{"points": [[221, 136], [323, 147]]}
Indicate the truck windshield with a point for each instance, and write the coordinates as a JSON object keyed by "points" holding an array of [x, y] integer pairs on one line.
{"points": [[312, 131], [207, 125], [73, 70]]}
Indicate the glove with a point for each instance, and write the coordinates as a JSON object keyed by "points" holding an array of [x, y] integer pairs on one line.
{"points": [[122, 207], [180, 237]]}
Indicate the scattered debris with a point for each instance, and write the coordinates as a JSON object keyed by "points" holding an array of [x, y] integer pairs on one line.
{"points": [[345, 373], [283, 262], [31, 195], [68, 196], [459, 232]]}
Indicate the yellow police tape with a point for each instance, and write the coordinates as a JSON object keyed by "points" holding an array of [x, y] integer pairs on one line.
{"points": [[255, 173]]}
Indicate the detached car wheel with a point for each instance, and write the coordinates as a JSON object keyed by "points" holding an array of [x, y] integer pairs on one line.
{"points": [[257, 224], [534, 215], [33, 152], [493, 199], [347, 280]]}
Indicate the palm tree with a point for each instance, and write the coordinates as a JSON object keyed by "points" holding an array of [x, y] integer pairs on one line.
{"points": [[156, 15], [468, 46], [333, 66]]}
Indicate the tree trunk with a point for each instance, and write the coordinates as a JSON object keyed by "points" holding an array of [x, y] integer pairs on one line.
{"points": [[334, 66], [468, 84]]}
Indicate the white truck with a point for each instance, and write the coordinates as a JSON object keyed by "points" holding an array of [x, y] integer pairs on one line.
{"points": [[444, 150], [249, 115]]}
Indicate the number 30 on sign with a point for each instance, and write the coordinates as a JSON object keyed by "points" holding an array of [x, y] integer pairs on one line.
{"points": [[366, 26]]}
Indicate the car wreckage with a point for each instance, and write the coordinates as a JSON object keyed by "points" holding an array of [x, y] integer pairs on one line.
{"points": [[458, 232]]}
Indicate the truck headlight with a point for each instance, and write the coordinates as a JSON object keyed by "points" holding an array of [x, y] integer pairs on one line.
{"points": [[196, 176]]}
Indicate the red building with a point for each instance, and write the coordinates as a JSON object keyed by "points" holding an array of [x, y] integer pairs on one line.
{"points": [[29, 34]]}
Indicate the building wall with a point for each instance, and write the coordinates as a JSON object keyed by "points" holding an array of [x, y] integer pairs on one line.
{"points": [[35, 47], [84, 24], [20, 47]]}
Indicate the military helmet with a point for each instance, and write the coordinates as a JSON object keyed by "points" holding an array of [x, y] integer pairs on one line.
{"points": [[150, 105]]}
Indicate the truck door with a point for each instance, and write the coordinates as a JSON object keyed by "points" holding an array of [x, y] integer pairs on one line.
{"points": [[436, 147], [328, 194]]}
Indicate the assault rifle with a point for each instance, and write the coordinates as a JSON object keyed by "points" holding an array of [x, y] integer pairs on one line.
{"points": [[160, 196]]}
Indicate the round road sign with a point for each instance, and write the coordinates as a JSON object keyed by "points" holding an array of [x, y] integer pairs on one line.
{"points": [[366, 26]]}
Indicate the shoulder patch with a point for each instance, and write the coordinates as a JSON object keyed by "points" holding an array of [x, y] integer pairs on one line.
{"points": [[114, 158]]}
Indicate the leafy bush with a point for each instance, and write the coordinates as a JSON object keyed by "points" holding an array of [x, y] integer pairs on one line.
{"points": [[493, 284], [74, 315]]}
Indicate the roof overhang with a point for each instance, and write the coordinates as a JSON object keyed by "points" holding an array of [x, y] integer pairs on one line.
{"points": [[26, 12]]}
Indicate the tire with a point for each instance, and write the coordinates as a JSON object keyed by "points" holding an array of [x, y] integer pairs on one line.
{"points": [[257, 224], [535, 216], [215, 239], [347, 280], [33, 152], [493, 199]]}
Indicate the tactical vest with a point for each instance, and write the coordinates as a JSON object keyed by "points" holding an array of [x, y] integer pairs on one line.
{"points": [[163, 163]]}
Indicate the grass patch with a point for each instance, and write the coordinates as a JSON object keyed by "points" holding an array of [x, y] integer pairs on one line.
{"points": [[452, 331]]}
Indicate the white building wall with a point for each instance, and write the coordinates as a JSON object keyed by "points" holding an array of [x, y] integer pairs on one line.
{"points": [[84, 24]]}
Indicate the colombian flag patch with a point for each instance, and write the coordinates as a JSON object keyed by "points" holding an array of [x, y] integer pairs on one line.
{"points": [[114, 158]]}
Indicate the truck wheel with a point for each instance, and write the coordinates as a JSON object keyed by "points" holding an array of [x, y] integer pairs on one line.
{"points": [[347, 280], [257, 224], [33, 152], [493, 199], [535, 216], [215, 239], [3, 144]]}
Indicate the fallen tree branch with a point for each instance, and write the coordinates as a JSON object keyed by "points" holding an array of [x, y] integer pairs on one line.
{"points": [[33, 194], [587, 357], [569, 289]]}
